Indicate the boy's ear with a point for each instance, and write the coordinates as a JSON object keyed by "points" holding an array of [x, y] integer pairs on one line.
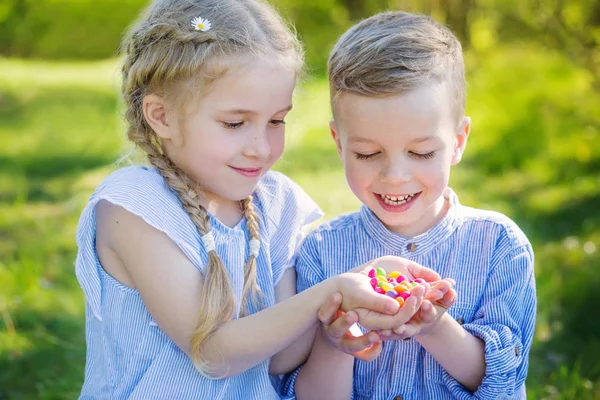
{"points": [[336, 137], [155, 113], [460, 143]]}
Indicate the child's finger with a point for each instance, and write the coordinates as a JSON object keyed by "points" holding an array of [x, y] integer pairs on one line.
{"points": [[340, 326], [370, 353], [352, 344], [368, 298], [385, 332], [448, 299], [427, 312], [374, 321], [407, 330], [327, 311], [419, 271]]}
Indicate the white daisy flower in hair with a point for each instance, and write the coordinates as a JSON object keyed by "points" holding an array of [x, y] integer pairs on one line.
{"points": [[201, 24]]}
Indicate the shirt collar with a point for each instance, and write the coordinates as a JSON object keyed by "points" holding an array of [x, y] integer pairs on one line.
{"points": [[417, 245]]}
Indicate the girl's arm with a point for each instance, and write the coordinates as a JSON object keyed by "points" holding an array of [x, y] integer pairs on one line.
{"points": [[295, 354], [170, 285]]}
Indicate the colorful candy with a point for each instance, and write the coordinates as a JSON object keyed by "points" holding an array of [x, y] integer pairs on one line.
{"points": [[394, 285]]}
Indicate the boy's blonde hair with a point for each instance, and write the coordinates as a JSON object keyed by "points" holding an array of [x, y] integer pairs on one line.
{"points": [[165, 55], [394, 52]]}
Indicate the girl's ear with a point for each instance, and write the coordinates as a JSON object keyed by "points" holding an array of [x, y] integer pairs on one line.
{"points": [[460, 143], [155, 113]]}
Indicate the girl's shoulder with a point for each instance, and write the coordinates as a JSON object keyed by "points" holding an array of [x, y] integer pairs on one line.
{"points": [[283, 201], [132, 181]]}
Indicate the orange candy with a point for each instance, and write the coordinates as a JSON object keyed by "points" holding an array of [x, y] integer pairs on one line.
{"points": [[400, 301]]}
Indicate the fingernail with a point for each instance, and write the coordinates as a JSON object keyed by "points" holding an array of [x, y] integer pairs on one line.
{"points": [[391, 308]]}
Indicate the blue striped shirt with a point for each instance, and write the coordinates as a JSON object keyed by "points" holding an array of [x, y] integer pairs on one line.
{"points": [[128, 355], [492, 262]]}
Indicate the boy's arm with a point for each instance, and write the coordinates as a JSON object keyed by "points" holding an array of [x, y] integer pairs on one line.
{"points": [[326, 366], [327, 374], [489, 356]]}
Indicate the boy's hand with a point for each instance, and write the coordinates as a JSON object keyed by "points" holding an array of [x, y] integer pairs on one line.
{"points": [[336, 327], [438, 300]]}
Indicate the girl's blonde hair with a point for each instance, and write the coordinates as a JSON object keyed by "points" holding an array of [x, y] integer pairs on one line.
{"points": [[165, 55], [394, 52]]}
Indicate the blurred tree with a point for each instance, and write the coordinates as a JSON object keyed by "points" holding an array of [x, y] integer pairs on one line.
{"points": [[571, 27]]}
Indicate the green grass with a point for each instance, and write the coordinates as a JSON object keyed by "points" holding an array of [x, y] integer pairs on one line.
{"points": [[534, 154]]}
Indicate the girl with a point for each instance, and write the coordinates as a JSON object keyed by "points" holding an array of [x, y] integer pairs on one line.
{"points": [[182, 263]]}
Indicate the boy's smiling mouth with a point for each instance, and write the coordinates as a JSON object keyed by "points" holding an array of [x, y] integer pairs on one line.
{"points": [[397, 200]]}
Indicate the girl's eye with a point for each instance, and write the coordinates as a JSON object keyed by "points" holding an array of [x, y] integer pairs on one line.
{"points": [[277, 122], [364, 156], [233, 125], [423, 156]]}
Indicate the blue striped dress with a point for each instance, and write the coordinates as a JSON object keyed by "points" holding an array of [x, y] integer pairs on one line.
{"points": [[128, 355], [492, 262]]}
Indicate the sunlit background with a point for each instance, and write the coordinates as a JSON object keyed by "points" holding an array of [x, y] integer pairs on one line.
{"points": [[533, 69]]}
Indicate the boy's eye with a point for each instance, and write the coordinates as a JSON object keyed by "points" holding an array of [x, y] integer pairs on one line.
{"points": [[423, 156], [277, 122], [233, 125], [360, 156]]}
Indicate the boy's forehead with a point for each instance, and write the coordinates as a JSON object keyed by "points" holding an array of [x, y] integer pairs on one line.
{"points": [[423, 101], [423, 112]]}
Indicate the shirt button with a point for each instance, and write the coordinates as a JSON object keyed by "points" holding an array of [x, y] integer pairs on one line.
{"points": [[460, 321], [517, 351], [411, 247], [398, 398]]}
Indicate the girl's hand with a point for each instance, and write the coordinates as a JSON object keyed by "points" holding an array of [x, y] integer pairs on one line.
{"points": [[336, 327], [380, 322]]}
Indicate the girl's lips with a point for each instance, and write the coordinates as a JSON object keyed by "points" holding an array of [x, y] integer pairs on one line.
{"points": [[396, 208], [248, 172]]}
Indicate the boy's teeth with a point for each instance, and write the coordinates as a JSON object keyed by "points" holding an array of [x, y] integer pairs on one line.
{"points": [[396, 200]]}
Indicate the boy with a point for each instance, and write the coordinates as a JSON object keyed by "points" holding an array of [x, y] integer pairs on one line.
{"points": [[398, 100]]}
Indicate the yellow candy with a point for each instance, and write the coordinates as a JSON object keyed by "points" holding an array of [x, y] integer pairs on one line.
{"points": [[407, 285], [394, 274], [386, 287]]}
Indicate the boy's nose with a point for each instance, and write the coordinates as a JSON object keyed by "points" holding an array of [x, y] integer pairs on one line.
{"points": [[395, 173]]}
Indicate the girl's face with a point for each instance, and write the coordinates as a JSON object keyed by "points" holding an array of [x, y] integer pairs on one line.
{"points": [[397, 152], [236, 132]]}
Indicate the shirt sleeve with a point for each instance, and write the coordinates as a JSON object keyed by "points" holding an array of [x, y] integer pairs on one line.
{"points": [[142, 192], [505, 323]]}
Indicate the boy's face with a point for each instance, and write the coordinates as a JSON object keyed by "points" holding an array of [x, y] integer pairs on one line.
{"points": [[397, 152]]}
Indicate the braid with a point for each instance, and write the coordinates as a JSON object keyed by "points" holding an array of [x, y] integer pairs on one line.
{"points": [[217, 300], [251, 290]]}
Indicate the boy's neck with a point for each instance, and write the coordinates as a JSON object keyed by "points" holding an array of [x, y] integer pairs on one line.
{"points": [[437, 212]]}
